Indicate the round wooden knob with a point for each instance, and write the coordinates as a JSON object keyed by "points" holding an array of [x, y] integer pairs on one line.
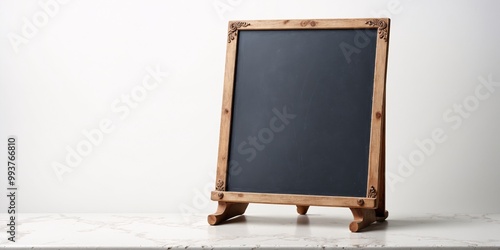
{"points": [[361, 202]]}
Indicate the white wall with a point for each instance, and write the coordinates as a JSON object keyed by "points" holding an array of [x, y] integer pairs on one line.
{"points": [[74, 69]]}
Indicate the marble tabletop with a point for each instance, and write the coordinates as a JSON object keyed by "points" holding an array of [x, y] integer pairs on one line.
{"points": [[253, 230]]}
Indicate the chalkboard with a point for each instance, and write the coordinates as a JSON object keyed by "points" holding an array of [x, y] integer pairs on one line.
{"points": [[320, 107], [303, 119]]}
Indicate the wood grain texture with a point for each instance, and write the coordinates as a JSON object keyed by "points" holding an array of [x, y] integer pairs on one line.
{"points": [[362, 219], [308, 24], [378, 115], [226, 211], [380, 212], [294, 199], [227, 100]]}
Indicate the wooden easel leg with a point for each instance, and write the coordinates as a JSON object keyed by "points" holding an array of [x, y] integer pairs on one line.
{"points": [[302, 209], [380, 213], [382, 216], [225, 211], [362, 218]]}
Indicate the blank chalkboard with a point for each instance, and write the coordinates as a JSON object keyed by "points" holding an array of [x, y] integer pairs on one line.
{"points": [[301, 114], [303, 117]]}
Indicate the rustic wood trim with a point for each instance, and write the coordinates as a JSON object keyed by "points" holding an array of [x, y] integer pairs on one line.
{"points": [[233, 29], [227, 102], [359, 23], [372, 193], [382, 26], [294, 199], [220, 185], [381, 213], [378, 115]]}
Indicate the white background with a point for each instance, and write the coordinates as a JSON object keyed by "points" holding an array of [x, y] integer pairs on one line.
{"points": [[161, 157]]}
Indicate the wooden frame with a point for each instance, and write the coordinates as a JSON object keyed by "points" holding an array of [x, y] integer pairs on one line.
{"points": [[366, 210]]}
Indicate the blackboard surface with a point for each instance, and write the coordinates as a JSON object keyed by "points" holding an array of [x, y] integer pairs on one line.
{"points": [[301, 113]]}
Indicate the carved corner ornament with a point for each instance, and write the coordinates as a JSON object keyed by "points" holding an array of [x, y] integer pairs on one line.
{"points": [[372, 193], [308, 22], [220, 185], [382, 27], [233, 30]]}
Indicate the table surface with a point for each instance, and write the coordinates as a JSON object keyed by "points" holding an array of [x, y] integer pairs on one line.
{"points": [[253, 230]]}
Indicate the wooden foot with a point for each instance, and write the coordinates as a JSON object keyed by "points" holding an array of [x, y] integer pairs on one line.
{"points": [[302, 209], [226, 211], [362, 218], [381, 216]]}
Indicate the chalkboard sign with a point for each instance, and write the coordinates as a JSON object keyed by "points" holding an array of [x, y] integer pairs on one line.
{"points": [[303, 117]]}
